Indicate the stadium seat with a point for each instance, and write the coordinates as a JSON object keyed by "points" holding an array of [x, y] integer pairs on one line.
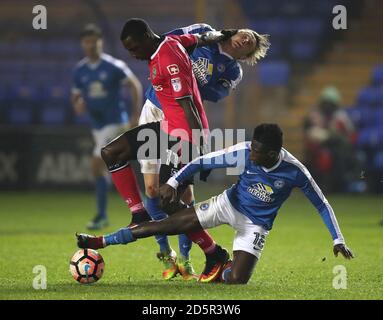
{"points": [[370, 137], [307, 27], [377, 161], [53, 115], [303, 50], [368, 96], [56, 93], [273, 73], [20, 115], [83, 120], [377, 76], [26, 92]]}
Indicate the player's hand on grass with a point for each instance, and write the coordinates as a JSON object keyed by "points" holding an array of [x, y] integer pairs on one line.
{"points": [[167, 195], [342, 248]]}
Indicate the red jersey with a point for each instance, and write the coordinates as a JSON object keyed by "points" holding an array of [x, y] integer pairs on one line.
{"points": [[172, 78]]}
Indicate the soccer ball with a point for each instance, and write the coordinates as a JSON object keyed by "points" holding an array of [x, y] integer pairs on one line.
{"points": [[86, 266]]}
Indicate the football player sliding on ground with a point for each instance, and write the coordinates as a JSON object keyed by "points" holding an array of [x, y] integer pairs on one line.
{"points": [[268, 175], [218, 73]]}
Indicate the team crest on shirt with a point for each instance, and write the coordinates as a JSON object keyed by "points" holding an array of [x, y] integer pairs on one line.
{"points": [[173, 69], [261, 191], [279, 184], [204, 206], [176, 84], [221, 67], [103, 75]]}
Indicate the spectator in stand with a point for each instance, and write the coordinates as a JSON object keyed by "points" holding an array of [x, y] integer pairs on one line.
{"points": [[328, 142]]}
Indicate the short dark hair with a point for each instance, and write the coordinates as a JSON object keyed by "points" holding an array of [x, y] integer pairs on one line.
{"points": [[135, 28], [270, 135], [91, 30]]}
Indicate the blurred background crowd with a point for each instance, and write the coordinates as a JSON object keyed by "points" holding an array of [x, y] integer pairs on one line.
{"points": [[323, 86]]}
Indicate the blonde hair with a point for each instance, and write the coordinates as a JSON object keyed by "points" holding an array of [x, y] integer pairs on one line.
{"points": [[261, 47]]}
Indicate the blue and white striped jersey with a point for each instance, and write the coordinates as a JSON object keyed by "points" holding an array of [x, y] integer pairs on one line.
{"points": [[216, 72], [260, 192], [100, 85]]}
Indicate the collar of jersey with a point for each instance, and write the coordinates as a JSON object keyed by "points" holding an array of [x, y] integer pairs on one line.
{"points": [[223, 52], [158, 49], [276, 165], [93, 66]]}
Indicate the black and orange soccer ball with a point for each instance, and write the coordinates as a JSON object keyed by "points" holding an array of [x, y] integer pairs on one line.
{"points": [[87, 266]]}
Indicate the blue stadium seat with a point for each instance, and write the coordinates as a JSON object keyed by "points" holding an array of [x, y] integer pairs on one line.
{"points": [[377, 76], [273, 73], [83, 119], [370, 137], [377, 161], [307, 27], [276, 27], [368, 96], [56, 92], [20, 115], [26, 92], [53, 115], [303, 50]]}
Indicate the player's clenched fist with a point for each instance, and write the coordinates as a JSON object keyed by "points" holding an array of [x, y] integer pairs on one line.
{"points": [[167, 195]]}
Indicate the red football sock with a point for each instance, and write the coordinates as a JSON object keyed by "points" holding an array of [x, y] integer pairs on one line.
{"points": [[126, 184], [204, 240]]}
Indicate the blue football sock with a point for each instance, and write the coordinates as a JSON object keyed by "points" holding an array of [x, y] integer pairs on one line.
{"points": [[184, 243], [122, 236], [153, 208], [101, 196]]}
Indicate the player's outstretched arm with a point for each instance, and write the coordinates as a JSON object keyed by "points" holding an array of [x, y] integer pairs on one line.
{"points": [[211, 37], [317, 198]]}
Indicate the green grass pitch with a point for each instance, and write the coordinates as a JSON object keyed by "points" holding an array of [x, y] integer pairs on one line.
{"points": [[297, 263]]}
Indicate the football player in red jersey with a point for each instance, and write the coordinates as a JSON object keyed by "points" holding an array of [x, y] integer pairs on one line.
{"points": [[184, 126]]}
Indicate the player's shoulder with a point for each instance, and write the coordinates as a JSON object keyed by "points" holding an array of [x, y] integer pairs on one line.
{"points": [[197, 28], [112, 61], [241, 146], [81, 64], [293, 163]]}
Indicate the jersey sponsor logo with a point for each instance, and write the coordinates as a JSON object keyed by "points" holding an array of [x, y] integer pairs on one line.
{"points": [[261, 191], [204, 206], [202, 68], [176, 84], [279, 184], [96, 90], [158, 88], [173, 69]]}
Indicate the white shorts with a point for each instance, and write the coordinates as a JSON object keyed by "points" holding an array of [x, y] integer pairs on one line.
{"points": [[104, 135], [218, 210], [150, 113]]}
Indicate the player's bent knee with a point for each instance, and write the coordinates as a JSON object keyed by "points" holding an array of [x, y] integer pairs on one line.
{"points": [[107, 155], [236, 278]]}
